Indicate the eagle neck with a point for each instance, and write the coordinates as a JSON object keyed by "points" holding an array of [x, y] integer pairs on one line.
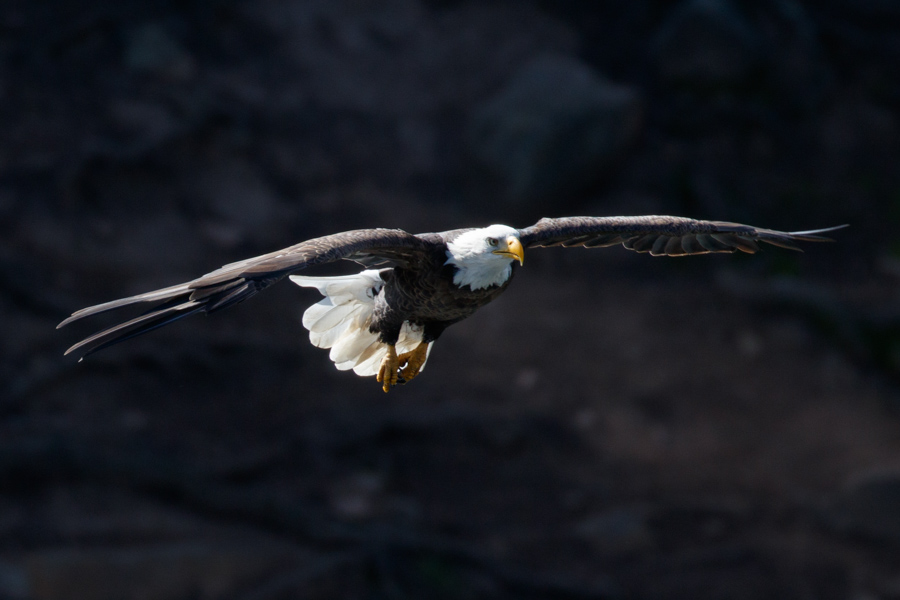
{"points": [[479, 272]]}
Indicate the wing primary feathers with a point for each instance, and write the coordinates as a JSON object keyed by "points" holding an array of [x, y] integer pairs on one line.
{"points": [[659, 246], [691, 246], [674, 247], [813, 235], [155, 296], [239, 294], [662, 235], [711, 244], [641, 244], [133, 328], [738, 242]]}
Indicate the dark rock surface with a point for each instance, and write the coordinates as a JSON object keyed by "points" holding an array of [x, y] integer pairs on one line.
{"points": [[869, 508], [707, 43], [556, 128], [614, 426]]}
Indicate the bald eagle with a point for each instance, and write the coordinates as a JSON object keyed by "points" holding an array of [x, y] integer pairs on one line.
{"points": [[383, 320]]}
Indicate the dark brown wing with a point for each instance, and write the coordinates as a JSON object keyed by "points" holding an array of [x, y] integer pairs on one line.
{"points": [[661, 235], [238, 281]]}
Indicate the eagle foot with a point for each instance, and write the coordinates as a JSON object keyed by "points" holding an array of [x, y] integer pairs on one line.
{"points": [[413, 361], [399, 369], [389, 371]]}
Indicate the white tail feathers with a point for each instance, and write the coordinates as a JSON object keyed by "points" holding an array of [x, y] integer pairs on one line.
{"points": [[341, 321]]}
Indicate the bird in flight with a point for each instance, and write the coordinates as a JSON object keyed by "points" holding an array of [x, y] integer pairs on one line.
{"points": [[383, 320]]}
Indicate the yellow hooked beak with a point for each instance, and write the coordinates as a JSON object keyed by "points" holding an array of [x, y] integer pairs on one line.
{"points": [[513, 250]]}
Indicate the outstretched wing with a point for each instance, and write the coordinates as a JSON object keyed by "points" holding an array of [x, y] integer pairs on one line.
{"points": [[238, 281], [661, 235]]}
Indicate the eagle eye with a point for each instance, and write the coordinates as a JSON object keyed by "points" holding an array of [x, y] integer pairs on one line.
{"points": [[492, 241]]}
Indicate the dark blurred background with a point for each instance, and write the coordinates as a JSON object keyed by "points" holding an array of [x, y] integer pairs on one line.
{"points": [[616, 426]]}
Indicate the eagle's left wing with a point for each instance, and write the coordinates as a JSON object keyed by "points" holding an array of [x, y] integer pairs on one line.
{"points": [[241, 280], [661, 235]]}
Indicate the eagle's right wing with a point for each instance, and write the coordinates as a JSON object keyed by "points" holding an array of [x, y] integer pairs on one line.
{"points": [[240, 280]]}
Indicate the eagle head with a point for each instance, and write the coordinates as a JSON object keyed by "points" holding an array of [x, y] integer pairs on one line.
{"points": [[483, 257]]}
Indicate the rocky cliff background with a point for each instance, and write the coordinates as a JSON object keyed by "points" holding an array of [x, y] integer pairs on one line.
{"points": [[616, 426]]}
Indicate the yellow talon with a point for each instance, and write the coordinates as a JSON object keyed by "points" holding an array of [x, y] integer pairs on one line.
{"points": [[414, 361], [388, 372]]}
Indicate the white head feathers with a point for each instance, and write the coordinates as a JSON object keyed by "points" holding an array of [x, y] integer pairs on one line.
{"points": [[475, 257]]}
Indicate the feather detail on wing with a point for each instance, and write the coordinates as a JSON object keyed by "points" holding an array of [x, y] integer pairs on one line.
{"points": [[240, 280], [662, 235]]}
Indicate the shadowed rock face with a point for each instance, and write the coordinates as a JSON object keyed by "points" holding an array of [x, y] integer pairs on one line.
{"points": [[555, 128], [707, 43], [614, 425]]}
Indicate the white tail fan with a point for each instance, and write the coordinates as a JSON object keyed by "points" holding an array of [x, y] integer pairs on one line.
{"points": [[341, 321]]}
